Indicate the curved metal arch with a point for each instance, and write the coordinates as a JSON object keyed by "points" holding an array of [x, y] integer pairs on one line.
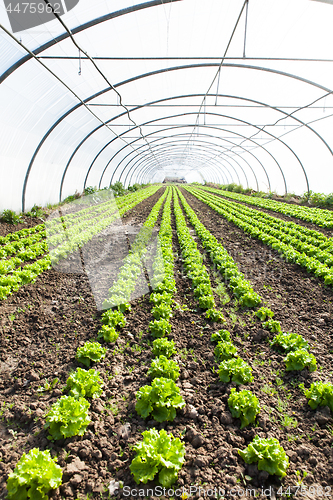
{"points": [[209, 95], [220, 146], [185, 126], [213, 168], [216, 128], [213, 176], [289, 75], [139, 161], [241, 121], [164, 146], [173, 128], [194, 159], [211, 145], [224, 154], [133, 166]]}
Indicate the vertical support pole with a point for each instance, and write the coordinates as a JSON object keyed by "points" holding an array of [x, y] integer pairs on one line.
{"points": [[245, 33]]}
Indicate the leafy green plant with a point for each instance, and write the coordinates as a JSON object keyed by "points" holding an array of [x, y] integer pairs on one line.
{"points": [[206, 302], [320, 394], [108, 333], [158, 453], [215, 316], [164, 347], [162, 311], [243, 405], [35, 474], [220, 336], [299, 359], [67, 417], [113, 318], [164, 367], [236, 370], [10, 217], [160, 328], [161, 298], [225, 350], [90, 351], [124, 307], [270, 456], [273, 325], [263, 313], [160, 400], [85, 384], [290, 341], [48, 386], [249, 299]]}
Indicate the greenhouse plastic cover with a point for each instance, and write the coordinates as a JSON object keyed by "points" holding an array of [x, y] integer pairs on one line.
{"points": [[218, 91]]}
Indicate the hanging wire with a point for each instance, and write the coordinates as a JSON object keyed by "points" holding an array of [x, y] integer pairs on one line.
{"points": [[217, 75], [65, 85], [289, 115], [102, 75], [80, 67]]}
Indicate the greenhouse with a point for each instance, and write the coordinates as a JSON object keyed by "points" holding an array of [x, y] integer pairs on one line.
{"points": [[166, 254]]}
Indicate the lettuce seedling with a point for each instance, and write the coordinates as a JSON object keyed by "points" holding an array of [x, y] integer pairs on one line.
{"points": [[299, 359], [163, 311], [263, 313], [113, 318], [290, 341], [203, 289], [158, 453], [124, 307], [160, 328], [320, 394], [167, 285], [163, 367], [243, 405], [67, 417], [35, 474], [236, 370], [91, 351], [163, 346], [220, 336], [85, 384], [160, 400], [273, 326], [249, 299], [108, 333], [215, 316], [225, 350], [206, 302], [161, 298], [270, 456]]}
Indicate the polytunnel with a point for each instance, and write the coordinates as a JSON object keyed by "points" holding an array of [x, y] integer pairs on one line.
{"points": [[218, 91]]}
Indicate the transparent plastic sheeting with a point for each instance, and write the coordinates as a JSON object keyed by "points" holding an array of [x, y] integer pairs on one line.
{"points": [[88, 237], [266, 121]]}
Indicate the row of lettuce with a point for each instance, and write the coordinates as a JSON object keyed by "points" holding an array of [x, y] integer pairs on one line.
{"points": [[244, 404], [319, 216], [159, 453], [37, 473], [29, 244], [310, 249]]}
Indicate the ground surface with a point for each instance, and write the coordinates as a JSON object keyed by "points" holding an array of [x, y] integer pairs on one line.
{"points": [[43, 324]]}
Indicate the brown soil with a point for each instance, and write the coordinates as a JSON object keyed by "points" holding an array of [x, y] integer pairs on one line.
{"points": [[26, 223], [43, 324]]}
